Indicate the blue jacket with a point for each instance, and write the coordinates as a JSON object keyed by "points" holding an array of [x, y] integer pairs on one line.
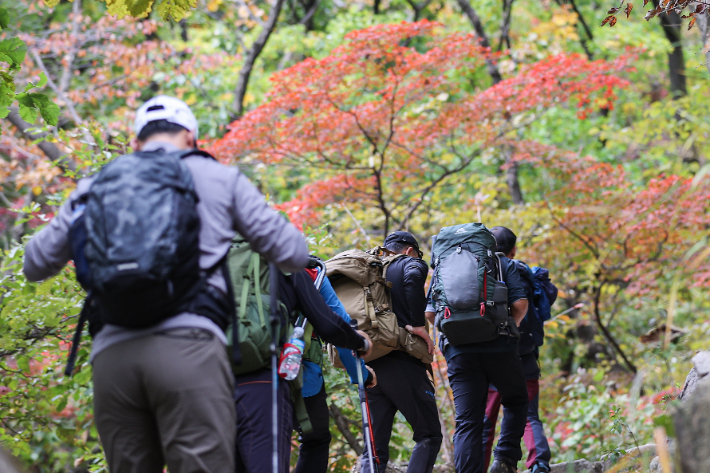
{"points": [[313, 373]]}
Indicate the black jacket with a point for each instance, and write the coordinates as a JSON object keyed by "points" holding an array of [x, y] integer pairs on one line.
{"points": [[407, 276]]}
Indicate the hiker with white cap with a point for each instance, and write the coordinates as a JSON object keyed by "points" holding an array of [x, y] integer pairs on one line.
{"points": [[148, 235]]}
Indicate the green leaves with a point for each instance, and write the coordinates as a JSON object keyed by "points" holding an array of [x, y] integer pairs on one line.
{"points": [[31, 104], [175, 9], [4, 18], [12, 51]]}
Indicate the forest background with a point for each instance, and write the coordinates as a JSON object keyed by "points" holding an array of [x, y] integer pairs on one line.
{"points": [[357, 118]]}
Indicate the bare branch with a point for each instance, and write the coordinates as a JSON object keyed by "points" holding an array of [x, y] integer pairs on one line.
{"points": [[69, 104], [478, 27], [50, 150], [252, 55], [69, 62]]}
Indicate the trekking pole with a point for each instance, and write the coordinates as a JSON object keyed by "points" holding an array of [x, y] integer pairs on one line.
{"points": [[274, 288], [365, 408]]}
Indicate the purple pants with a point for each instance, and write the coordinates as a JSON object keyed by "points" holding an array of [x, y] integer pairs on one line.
{"points": [[534, 437]]}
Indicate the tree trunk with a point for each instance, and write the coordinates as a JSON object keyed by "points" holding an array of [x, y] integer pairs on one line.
{"points": [[511, 178], [252, 55], [671, 24], [512, 172], [704, 27], [478, 28]]}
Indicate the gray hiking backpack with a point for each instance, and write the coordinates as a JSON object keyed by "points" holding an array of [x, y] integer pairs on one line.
{"points": [[467, 289]]}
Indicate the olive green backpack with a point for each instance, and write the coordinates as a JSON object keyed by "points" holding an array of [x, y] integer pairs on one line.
{"points": [[249, 272]]}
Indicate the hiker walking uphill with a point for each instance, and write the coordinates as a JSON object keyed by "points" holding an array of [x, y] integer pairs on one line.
{"points": [[289, 296], [477, 301], [402, 381], [156, 225], [314, 448], [541, 294]]}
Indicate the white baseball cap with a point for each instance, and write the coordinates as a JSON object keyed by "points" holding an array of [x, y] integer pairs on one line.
{"points": [[165, 108]]}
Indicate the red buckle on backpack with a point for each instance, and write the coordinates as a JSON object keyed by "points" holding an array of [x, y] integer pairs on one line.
{"points": [[447, 313], [483, 309], [485, 294]]}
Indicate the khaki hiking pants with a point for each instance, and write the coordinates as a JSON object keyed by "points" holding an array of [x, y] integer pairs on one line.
{"points": [[166, 399]]}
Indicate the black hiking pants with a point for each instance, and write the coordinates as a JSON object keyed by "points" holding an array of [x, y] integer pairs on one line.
{"points": [[469, 376], [254, 440], [314, 449], [403, 385]]}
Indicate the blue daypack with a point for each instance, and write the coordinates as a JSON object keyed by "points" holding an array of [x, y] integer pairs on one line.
{"points": [[541, 297]]}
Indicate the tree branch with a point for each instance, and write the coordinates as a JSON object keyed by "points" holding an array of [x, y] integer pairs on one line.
{"points": [[50, 150], [69, 104], [67, 71], [341, 421], [505, 27], [253, 17], [418, 8], [605, 330], [252, 55], [478, 27]]}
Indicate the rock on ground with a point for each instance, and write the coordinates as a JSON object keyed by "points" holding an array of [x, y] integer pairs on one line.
{"points": [[579, 466], [701, 368], [7, 463], [692, 427]]}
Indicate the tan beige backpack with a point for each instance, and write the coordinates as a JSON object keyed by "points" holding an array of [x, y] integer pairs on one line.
{"points": [[359, 278]]}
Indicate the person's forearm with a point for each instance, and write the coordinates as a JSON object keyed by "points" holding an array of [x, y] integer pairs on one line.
{"points": [[48, 251], [430, 316], [518, 310]]}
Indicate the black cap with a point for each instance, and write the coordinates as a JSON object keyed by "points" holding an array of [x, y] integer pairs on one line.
{"points": [[402, 237]]}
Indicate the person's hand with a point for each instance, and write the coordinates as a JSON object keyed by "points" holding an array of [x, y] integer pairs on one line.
{"points": [[368, 345], [373, 383], [422, 333]]}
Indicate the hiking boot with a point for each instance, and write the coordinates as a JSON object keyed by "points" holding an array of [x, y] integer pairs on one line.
{"points": [[502, 466], [540, 468]]}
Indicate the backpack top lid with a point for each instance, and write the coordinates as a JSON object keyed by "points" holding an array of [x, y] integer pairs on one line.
{"points": [[361, 266], [449, 238]]}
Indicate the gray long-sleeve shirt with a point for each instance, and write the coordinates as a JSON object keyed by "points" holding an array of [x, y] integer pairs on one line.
{"points": [[228, 204]]}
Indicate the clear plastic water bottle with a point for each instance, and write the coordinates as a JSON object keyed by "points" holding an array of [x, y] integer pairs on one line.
{"points": [[292, 355]]}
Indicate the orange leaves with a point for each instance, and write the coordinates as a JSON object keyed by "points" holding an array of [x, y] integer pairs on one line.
{"points": [[611, 19], [630, 232], [627, 10], [379, 111]]}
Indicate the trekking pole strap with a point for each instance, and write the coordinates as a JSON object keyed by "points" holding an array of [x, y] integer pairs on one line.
{"points": [[83, 316]]}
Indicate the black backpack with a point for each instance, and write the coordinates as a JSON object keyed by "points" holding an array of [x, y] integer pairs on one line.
{"points": [[135, 240]]}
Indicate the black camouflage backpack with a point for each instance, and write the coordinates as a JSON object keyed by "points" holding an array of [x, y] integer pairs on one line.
{"points": [[467, 288], [142, 243], [135, 241]]}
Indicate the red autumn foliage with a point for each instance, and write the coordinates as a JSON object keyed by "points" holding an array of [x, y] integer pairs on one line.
{"points": [[634, 236], [395, 107]]}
